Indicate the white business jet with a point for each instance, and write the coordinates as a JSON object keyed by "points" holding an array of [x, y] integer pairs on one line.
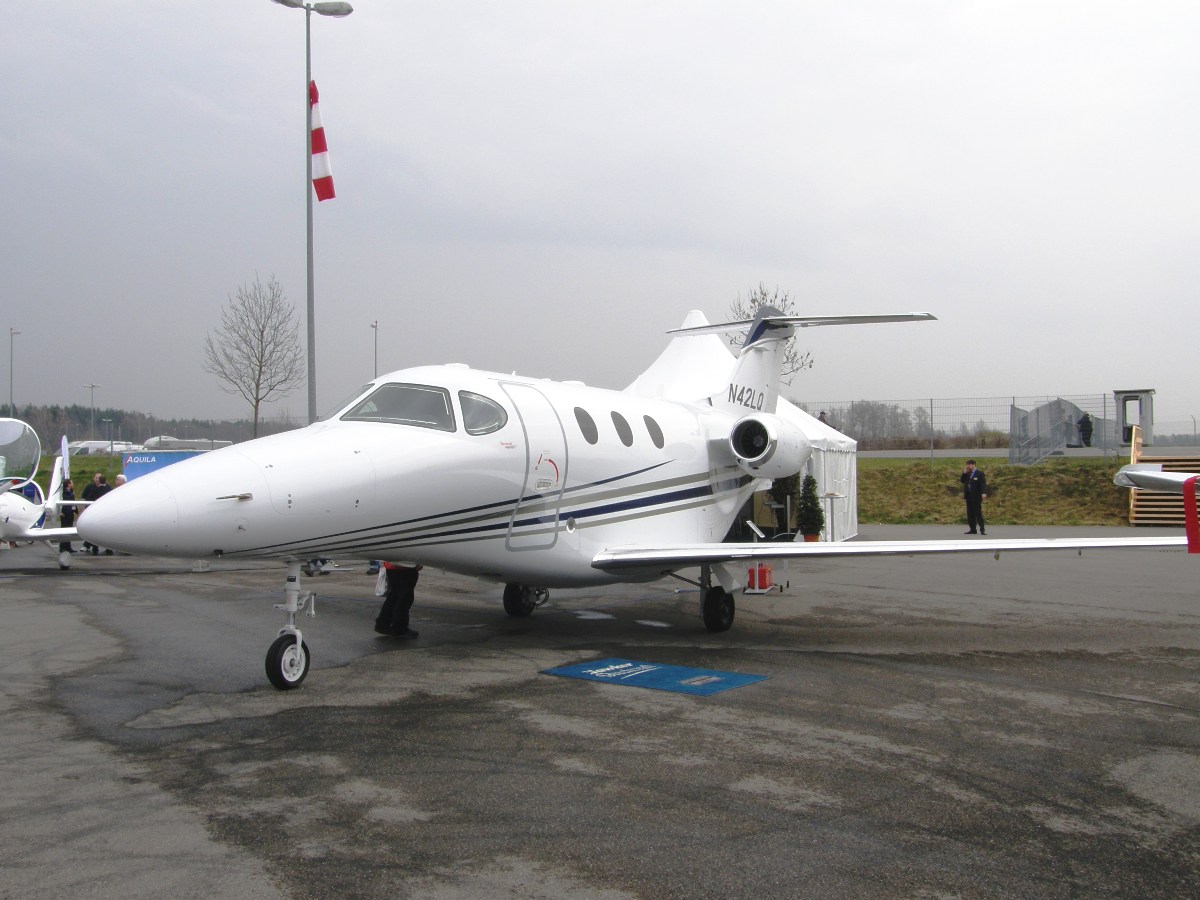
{"points": [[23, 503], [529, 483]]}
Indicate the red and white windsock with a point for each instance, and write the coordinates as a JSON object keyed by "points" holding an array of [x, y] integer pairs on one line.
{"points": [[322, 173]]}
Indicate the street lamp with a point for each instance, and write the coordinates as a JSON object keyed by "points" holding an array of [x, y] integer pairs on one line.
{"points": [[336, 10], [92, 420], [12, 410], [375, 328], [109, 421]]}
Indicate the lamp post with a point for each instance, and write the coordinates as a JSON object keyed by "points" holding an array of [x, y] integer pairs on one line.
{"points": [[12, 410], [337, 10], [375, 328], [109, 422], [92, 420]]}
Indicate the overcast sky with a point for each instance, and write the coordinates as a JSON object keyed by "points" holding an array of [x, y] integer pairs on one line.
{"points": [[547, 187]]}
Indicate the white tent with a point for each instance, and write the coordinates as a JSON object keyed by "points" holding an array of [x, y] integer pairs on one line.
{"points": [[695, 367], [834, 464]]}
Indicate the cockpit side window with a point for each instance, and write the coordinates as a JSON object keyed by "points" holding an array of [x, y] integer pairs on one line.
{"points": [[481, 415], [422, 405]]}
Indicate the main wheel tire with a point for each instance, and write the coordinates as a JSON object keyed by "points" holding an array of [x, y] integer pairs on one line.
{"points": [[286, 664], [718, 609], [519, 601]]}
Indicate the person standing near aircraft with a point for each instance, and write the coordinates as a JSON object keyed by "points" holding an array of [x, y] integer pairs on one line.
{"points": [[400, 596], [1085, 429], [974, 493], [93, 492], [66, 517]]}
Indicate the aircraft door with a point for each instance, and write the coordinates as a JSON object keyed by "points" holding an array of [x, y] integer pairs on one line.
{"points": [[534, 524]]}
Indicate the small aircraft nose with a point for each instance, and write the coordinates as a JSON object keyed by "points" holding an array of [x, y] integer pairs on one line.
{"points": [[139, 517]]}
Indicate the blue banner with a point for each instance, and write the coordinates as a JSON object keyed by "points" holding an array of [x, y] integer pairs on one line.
{"points": [[144, 461], [656, 677]]}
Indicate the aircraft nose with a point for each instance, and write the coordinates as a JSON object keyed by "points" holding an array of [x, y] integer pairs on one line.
{"points": [[139, 517]]}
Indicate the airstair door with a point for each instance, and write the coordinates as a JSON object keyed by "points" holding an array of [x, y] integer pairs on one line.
{"points": [[534, 524]]}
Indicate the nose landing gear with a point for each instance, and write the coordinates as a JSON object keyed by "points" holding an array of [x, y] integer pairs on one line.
{"points": [[288, 658]]}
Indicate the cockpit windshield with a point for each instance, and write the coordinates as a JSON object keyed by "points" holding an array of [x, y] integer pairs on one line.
{"points": [[405, 404], [20, 451], [342, 405]]}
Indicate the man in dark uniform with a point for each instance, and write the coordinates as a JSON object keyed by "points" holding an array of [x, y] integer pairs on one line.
{"points": [[401, 584], [974, 492], [93, 492]]}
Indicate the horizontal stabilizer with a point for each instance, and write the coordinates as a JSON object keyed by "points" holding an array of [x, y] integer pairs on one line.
{"points": [[804, 322]]}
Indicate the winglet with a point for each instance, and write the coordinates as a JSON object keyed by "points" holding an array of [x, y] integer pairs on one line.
{"points": [[1191, 522]]}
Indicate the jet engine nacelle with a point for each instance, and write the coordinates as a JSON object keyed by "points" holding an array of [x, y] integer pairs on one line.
{"points": [[767, 446]]}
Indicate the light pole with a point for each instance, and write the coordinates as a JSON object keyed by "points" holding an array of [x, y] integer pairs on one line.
{"points": [[375, 328], [109, 421], [12, 410], [92, 420], [337, 10]]}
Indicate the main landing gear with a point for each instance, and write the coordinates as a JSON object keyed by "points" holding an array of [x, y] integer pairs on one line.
{"points": [[716, 600], [716, 604], [288, 658], [521, 600]]}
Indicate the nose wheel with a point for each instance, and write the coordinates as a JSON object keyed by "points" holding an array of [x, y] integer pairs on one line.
{"points": [[288, 658], [287, 661]]}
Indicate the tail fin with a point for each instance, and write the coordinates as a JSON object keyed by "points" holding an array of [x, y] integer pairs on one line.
{"points": [[754, 383], [57, 477]]}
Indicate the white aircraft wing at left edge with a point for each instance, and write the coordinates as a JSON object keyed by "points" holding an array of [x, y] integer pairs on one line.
{"points": [[529, 483]]}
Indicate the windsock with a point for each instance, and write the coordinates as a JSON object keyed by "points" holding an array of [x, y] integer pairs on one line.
{"points": [[322, 173]]}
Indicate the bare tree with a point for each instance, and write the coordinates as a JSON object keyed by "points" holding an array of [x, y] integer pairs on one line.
{"points": [[256, 351], [793, 360]]}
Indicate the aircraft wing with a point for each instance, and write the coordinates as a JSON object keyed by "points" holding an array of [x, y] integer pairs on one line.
{"points": [[668, 557], [1151, 477], [46, 534]]}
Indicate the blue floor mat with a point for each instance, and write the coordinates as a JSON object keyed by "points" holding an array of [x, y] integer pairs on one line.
{"points": [[656, 677]]}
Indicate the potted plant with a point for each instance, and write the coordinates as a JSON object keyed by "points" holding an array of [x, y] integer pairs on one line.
{"points": [[810, 518]]}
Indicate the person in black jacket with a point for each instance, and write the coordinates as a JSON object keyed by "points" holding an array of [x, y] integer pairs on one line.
{"points": [[93, 492], [401, 585], [974, 492], [66, 515], [1085, 429]]}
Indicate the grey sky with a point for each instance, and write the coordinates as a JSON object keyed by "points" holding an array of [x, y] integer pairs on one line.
{"points": [[547, 187]]}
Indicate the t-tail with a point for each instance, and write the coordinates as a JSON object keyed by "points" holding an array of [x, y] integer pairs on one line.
{"points": [[754, 382]]}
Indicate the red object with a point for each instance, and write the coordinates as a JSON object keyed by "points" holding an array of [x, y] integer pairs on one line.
{"points": [[758, 578], [1190, 521], [322, 172]]}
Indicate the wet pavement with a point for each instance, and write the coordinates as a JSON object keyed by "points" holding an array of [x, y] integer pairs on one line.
{"points": [[1028, 726]]}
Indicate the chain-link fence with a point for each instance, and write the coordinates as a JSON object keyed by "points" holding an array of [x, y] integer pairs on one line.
{"points": [[1030, 427]]}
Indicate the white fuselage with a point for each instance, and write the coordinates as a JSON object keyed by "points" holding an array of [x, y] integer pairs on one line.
{"points": [[520, 480], [19, 515]]}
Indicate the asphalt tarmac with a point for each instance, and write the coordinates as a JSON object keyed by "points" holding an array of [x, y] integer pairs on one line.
{"points": [[936, 726]]}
